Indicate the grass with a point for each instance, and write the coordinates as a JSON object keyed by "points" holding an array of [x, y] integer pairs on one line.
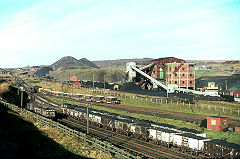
{"points": [[140, 116], [112, 74], [206, 108], [228, 136]]}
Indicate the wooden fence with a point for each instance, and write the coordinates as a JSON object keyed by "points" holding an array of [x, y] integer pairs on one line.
{"points": [[93, 142], [216, 109]]}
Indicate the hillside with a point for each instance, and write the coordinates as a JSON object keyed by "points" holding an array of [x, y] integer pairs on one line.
{"points": [[120, 62], [69, 61], [231, 62], [111, 74]]}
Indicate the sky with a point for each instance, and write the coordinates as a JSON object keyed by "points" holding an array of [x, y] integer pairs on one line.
{"points": [[41, 32]]}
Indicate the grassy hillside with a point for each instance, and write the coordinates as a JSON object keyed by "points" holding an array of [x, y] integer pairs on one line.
{"points": [[112, 74]]}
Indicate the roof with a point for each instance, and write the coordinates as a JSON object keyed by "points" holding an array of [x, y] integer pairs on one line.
{"points": [[190, 130], [166, 130], [217, 117], [189, 135], [225, 144]]}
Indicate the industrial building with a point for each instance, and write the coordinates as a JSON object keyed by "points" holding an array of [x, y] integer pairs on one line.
{"points": [[168, 71]]}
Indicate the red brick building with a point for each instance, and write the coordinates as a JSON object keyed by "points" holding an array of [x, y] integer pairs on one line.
{"points": [[182, 74], [77, 84], [172, 70], [73, 78], [217, 123]]}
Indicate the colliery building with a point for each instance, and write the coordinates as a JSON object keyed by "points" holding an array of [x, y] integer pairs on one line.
{"points": [[171, 70]]}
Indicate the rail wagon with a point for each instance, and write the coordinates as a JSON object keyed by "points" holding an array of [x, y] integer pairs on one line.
{"points": [[121, 126], [165, 137], [192, 131], [79, 97], [221, 148], [49, 113], [189, 143], [142, 131], [88, 98], [99, 99], [112, 100], [108, 122]]}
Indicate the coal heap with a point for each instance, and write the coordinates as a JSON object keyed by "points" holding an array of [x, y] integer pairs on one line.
{"points": [[130, 86], [43, 71]]}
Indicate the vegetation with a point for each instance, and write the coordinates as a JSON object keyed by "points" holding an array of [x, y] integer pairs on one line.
{"points": [[206, 108], [111, 74], [228, 136]]}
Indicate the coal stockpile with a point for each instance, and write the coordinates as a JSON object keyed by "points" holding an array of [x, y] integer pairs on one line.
{"points": [[229, 82], [43, 71], [131, 87], [89, 84]]}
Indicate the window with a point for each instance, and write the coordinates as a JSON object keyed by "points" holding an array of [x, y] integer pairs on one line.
{"points": [[183, 68], [170, 75], [175, 82], [183, 74], [175, 74], [190, 82], [169, 82], [175, 68], [190, 75], [213, 122], [183, 82], [170, 68]]}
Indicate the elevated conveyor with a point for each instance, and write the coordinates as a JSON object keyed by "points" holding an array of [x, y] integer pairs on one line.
{"points": [[171, 88]]}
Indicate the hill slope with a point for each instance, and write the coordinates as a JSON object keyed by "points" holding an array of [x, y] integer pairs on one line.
{"points": [[69, 61]]}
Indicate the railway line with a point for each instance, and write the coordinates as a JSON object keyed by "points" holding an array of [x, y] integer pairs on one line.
{"points": [[188, 117], [143, 148]]}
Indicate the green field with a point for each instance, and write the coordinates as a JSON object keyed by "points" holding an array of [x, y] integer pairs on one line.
{"points": [[228, 136]]}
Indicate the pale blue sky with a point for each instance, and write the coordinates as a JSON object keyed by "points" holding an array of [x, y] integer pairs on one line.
{"points": [[41, 32]]}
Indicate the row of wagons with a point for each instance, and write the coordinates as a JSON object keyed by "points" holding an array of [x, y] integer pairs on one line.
{"points": [[186, 140], [82, 97], [46, 112]]}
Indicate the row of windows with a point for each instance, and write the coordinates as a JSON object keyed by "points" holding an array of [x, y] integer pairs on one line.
{"points": [[175, 74], [183, 82], [177, 67]]}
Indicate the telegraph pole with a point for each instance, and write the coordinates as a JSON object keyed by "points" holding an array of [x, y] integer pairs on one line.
{"points": [[87, 120], [21, 96], [93, 80], [104, 81]]}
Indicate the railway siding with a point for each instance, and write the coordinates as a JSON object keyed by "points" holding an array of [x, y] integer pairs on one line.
{"points": [[94, 142]]}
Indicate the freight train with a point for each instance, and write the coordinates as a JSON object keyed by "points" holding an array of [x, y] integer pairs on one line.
{"points": [[184, 139], [44, 111], [82, 97]]}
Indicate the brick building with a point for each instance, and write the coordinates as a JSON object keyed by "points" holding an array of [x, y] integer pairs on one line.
{"points": [[171, 70], [73, 78], [217, 123], [182, 74]]}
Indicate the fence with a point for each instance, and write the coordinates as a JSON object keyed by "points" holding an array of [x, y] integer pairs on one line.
{"points": [[93, 142], [216, 109]]}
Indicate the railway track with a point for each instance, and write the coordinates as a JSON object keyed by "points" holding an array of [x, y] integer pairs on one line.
{"points": [[188, 117], [146, 149], [143, 148]]}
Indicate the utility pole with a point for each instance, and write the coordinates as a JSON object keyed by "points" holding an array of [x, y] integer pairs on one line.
{"points": [[87, 120], [21, 96], [226, 84], [93, 80], [104, 81]]}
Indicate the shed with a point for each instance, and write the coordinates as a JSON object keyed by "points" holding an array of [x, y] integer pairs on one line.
{"points": [[217, 123], [237, 129], [77, 84]]}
